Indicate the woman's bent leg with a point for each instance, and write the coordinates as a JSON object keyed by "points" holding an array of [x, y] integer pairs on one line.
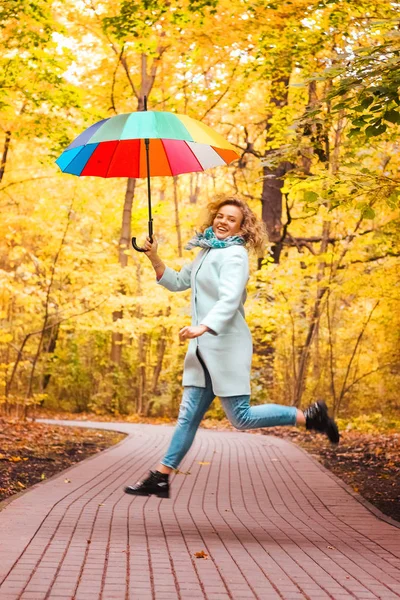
{"points": [[195, 402], [243, 416]]}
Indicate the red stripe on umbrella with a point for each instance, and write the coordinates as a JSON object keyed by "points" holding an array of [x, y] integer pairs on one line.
{"points": [[100, 159], [125, 162], [180, 157]]}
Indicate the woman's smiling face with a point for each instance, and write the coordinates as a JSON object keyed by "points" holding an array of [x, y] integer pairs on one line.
{"points": [[228, 221]]}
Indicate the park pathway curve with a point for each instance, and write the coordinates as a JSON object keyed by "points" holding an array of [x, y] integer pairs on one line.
{"points": [[268, 521]]}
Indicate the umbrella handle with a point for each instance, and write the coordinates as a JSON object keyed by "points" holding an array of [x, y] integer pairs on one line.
{"points": [[134, 244], [136, 247]]}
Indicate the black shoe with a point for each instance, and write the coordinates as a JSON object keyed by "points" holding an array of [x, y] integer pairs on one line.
{"points": [[317, 418], [156, 483]]}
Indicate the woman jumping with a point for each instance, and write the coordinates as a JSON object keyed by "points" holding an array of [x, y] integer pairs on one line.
{"points": [[218, 360]]}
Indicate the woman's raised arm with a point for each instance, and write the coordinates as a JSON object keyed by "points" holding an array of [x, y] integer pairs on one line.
{"points": [[151, 253], [172, 280]]}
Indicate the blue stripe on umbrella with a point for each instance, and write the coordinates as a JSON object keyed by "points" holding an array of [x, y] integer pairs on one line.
{"points": [[76, 166], [84, 137], [66, 157]]}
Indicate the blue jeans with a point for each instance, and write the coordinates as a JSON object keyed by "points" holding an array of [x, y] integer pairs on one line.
{"points": [[196, 401]]}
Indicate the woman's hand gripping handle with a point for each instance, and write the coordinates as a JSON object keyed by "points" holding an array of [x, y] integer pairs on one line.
{"points": [[150, 249]]}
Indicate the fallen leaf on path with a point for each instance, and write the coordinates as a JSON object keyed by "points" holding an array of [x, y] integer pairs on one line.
{"points": [[201, 554], [204, 463], [67, 481]]}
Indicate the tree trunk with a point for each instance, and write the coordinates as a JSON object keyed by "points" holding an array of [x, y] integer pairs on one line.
{"points": [[47, 307], [142, 343], [271, 201], [50, 348], [332, 164], [6, 147], [142, 379], [124, 241], [194, 188], [316, 313], [271, 196], [147, 82], [161, 347], [311, 130]]}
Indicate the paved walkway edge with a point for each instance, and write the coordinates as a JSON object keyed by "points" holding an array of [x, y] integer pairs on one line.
{"points": [[7, 501], [375, 511], [117, 426]]}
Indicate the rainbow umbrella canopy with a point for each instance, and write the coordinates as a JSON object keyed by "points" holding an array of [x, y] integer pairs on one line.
{"points": [[144, 144]]}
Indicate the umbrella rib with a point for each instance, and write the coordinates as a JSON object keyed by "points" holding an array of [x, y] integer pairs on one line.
{"points": [[197, 160], [218, 150], [111, 159], [77, 155], [140, 158], [166, 156]]}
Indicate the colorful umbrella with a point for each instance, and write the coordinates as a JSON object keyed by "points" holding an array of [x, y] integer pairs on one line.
{"points": [[144, 144]]}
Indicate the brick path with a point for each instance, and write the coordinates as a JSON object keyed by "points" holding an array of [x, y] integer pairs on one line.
{"points": [[272, 521]]}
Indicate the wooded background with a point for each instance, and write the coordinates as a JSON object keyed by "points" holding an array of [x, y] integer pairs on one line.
{"points": [[307, 91]]}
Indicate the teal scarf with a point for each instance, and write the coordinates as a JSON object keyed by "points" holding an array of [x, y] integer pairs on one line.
{"points": [[208, 239]]}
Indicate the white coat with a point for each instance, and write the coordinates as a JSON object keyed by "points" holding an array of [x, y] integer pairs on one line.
{"points": [[218, 278]]}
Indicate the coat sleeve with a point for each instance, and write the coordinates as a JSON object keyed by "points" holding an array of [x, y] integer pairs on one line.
{"points": [[176, 281], [232, 283]]}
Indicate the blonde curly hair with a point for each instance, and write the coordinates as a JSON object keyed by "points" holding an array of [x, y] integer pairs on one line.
{"points": [[253, 229]]}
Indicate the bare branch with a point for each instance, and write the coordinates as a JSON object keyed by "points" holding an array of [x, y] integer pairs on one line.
{"points": [[29, 335], [223, 93], [292, 241], [124, 63], [47, 302], [25, 180], [148, 79], [368, 260], [385, 366], [118, 53], [114, 79], [331, 356], [359, 338]]}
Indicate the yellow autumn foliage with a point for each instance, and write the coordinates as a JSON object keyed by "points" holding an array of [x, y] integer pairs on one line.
{"points": [[319, 163]]}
